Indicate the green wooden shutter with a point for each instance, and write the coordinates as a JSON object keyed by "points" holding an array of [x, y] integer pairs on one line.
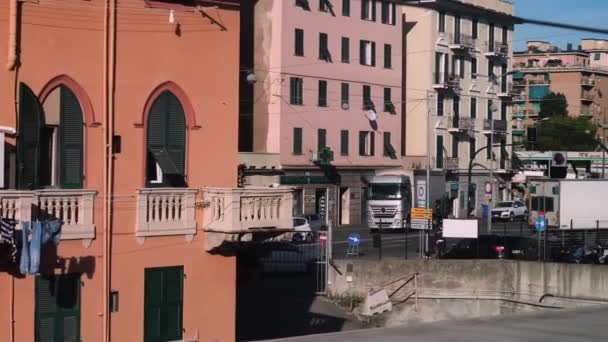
{"points": [[57, 317], [373, 53], [28, 141], [163, 304], [344, 142], [362, 60], [372, 143], [70, 140], [297, 140], [362, 135], [321, 139], [166, 138], [299, 42], [345, 50], [373, 10], [176, 133]]}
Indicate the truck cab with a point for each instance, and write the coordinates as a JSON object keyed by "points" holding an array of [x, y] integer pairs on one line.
{"points": [[389, 200]]}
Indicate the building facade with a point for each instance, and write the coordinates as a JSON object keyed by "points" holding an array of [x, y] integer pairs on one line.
{"points": [[326, 99], [580, 74], [126, 130], [459, 55]]}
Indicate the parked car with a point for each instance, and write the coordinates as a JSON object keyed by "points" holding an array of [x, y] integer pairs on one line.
{"points": [[315, 222], [494, 247], [510, 210], [302, 230]]}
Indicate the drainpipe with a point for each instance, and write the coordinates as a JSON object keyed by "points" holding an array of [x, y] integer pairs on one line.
{"points": [[108, 104], [12, 35], [11, 66]]}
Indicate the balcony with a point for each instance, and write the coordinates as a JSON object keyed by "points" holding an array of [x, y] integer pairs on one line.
{"points": [[165, 211], [518, 97], [446, 82], [451, 164], [461, 125], [462, 42], [542, 79], [587, 97], [588, 82], [73, 207], [233, 215], [586, 112], [496, 50], [500, 127]]}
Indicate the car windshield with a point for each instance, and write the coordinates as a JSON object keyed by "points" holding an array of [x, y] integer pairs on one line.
{"points": [[504, 204], [385, 191]]}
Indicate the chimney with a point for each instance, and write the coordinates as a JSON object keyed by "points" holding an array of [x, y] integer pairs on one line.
{"points": [[580, 48]]}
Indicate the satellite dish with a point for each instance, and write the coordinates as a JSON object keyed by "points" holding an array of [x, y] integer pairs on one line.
{"points": [[371, 115]]}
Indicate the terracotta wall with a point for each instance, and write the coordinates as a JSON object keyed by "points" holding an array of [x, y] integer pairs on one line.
{"points": [[195, 56]]}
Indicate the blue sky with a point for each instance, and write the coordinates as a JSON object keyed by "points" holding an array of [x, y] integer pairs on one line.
{"points": [[579, 12]]}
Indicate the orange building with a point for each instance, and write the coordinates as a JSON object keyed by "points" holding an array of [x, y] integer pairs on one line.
{"points": [[121, 120]]}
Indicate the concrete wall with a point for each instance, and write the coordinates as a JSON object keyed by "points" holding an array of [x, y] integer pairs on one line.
{"points": [[460, 289]]}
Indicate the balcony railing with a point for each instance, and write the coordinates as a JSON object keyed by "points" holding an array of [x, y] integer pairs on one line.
{"points": [[585, 96], [587, 82], [73, 207], [446, 81], [586, 112], [500, 126], [496, 49], [460, 124], [460, 41], [165, 211], [233, 213]]}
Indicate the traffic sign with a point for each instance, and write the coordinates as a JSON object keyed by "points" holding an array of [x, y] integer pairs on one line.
{"points": [[541, 223], [354, 239], [421, 193], [323, 237], [422, 224], [422, 213]]}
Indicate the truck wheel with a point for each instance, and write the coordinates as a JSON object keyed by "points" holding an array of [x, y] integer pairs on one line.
{"points": [[512, 217]]}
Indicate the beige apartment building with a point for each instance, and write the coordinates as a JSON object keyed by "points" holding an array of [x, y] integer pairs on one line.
{"points": [[459, 55], [580, 74]]}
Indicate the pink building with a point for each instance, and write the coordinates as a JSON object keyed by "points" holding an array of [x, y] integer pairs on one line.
{"points": [[323, 69]]}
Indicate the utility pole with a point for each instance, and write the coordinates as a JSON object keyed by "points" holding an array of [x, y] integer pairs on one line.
{"points": [[428, 168], [491, 172]]}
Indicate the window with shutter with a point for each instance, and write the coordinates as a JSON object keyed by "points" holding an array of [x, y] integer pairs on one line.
{"points": [[321, 139], [57, 311], [70, 140], [299, 42], [166, 142], [163, 304], [297, 140], [28, 142], [344, 142], [345, 50]]}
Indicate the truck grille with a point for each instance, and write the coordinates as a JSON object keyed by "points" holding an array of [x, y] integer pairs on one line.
{"points": [[384, 211]]}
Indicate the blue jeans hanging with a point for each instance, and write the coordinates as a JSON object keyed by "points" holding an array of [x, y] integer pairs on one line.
{"points": [[35, 235]]}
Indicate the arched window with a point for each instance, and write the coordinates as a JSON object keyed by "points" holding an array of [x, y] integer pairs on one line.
{"points": [[166, 142], [50, 142]]}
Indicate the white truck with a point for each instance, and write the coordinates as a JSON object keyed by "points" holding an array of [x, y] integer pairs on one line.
{"points": [[389, 200], [582, 204]]}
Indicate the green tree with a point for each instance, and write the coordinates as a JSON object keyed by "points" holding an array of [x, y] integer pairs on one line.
{"points": [[553, 104], [563, 133]]}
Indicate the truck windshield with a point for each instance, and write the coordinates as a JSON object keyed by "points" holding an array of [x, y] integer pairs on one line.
{"points": [[384, 191]]}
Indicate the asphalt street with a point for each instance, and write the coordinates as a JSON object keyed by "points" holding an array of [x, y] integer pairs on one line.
{"points": [[582, 325]]}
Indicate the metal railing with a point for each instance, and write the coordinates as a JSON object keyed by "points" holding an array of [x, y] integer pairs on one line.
{"points": [[446, 80], [497, 48], [461, 40]]}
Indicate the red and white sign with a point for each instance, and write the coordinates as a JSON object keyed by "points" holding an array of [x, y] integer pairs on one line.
{"points": [[323, 237]]}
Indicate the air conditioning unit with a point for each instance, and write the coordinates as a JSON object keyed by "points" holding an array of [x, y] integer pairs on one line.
{"points": [[559, 159]]}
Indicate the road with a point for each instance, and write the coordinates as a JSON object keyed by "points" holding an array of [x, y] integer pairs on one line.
{"points": [[579, 325], [394, 242]]}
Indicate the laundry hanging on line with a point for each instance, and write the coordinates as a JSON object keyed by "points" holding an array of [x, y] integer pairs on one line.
{"points": [[34, 236], [7, 236]]}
